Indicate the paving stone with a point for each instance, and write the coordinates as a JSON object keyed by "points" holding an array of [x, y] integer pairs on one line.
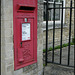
{"points": [[54, 69]]}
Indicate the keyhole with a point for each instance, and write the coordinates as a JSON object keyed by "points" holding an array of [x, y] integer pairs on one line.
{"points": [[21, 44]]}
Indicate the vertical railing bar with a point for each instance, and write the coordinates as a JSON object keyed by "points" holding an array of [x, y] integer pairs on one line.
{"points": [[69, 34], [44, 12], [46, 32], [74, 36], [53, 32], [61, 34]]}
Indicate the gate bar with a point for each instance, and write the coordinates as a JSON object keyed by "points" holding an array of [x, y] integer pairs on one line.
{"points": [[53, 32], [61, 34], [61, 8], [74, 36], [46, 60], [69, 33], [46, 32]]}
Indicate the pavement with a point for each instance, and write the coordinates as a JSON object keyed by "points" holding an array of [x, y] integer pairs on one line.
{"points": [[54, 69]]}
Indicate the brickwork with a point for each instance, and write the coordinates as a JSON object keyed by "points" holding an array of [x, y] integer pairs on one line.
{"points": [[7, 49]]}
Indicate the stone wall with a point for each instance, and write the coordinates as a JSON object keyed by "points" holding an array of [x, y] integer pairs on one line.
{"points": [[7, 50], [67, 16], [58, 30]]}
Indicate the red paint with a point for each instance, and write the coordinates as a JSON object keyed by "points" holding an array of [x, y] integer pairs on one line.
{"points": [[27, 53]]}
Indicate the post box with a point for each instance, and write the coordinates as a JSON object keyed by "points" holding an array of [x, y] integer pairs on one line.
{"points": [[25, 32]]}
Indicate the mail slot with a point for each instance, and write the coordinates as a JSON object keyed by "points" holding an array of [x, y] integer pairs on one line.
{"points": [[25, 32]]}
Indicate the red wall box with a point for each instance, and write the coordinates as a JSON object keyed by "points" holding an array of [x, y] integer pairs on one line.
{"points": [[25, 32]]}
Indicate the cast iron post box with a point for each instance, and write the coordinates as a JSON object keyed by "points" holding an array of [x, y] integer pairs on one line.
{"points": [[25, 32]]}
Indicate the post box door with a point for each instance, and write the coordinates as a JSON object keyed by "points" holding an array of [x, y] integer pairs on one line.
{"points": [[25, 32], [24, 37], [26, 2], [20, 1], [30, 2]]}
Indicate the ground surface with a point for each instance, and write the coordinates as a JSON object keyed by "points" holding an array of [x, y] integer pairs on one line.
{"points": [[53, 69]]}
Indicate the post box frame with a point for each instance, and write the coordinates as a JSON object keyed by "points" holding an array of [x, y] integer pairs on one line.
{"points": [[34, 17]]}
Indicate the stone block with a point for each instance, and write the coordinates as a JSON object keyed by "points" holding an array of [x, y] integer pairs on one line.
{"points": [[2, 41], [8, 53], [9, 46], [35, 71], [8, 32], [2, 26], [9, 73], [10, 68], [18, 72], [9, 40], [9, 61], [7, 3], [8, 11], [40, 72], [8, 24]]}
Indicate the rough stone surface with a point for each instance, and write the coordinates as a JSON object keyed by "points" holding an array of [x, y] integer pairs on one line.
{"points": [[7, 49], [54, 69], [58, 30]]}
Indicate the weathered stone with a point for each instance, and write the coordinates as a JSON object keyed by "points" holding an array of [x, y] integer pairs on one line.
{"points": [[7, 46]]}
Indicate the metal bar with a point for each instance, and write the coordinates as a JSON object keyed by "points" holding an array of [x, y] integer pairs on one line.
{"points": [[61, 34], [74, 37], [44, 12], [59, 64], [53, 33], [69, 33], [46, 33], [61, 8]]}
